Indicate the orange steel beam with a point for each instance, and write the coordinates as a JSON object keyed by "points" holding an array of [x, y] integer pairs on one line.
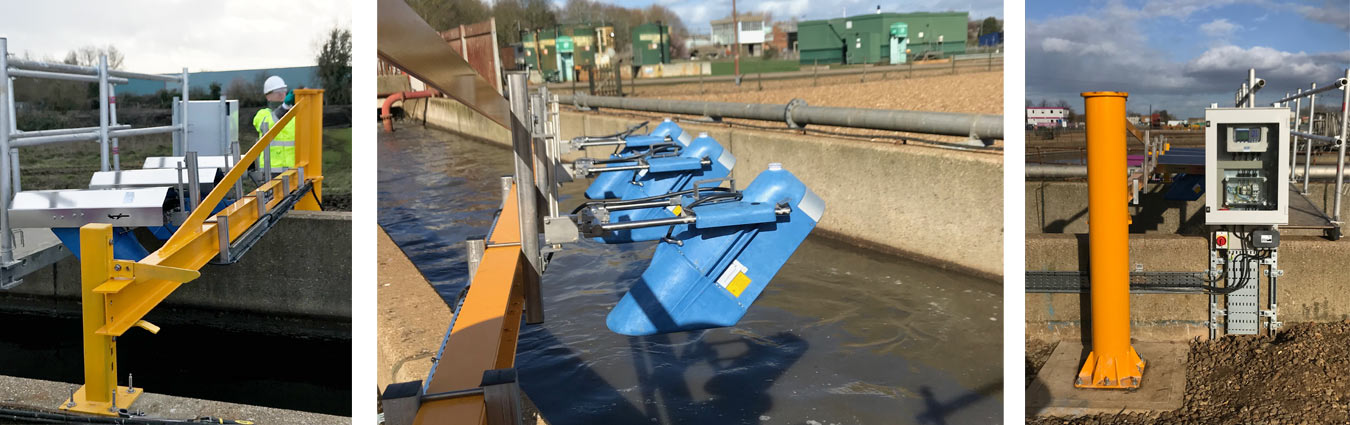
{"points": [[309, 146], [1129, 127], [1113, 363], [487, 326]]}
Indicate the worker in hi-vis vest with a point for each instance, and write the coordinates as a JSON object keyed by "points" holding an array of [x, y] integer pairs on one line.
{"points": [[279, 101]]}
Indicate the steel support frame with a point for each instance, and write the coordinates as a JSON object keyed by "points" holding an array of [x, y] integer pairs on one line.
{"points": [[505, 286], [1267, 318], [13, 270], [117, 294]]}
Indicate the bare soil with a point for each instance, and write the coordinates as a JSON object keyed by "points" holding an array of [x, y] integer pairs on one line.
{"points": [[1038, 352], [1297, 377]]}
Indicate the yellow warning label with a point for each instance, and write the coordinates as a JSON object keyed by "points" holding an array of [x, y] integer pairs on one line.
{"points": [[738, 284], [676, 209]]}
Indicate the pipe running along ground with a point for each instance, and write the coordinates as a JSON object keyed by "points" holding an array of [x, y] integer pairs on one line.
{"points": [[981, 126]]}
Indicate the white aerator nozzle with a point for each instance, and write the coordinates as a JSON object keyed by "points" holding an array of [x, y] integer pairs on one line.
{"points": [[775, 166], [702, 134]]}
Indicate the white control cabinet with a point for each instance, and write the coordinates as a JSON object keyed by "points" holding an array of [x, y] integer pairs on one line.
{"points": [[1247, 166], [212, 127]]}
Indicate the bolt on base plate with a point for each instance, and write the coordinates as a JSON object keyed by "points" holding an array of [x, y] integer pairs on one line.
{"points": [[1118, 372], [125, 397]]}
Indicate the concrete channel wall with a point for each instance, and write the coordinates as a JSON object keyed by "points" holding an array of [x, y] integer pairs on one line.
{"points": [[932, 204], [1170, 236], [1061, 207], [1314, 288], [301, 270]]}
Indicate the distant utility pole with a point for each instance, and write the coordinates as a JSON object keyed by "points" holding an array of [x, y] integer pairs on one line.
{"points": [[736, 29]]}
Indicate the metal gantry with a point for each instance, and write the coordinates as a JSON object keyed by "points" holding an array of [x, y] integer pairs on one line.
{"points": [[1325, 140], [107, 134], [117, 294]]}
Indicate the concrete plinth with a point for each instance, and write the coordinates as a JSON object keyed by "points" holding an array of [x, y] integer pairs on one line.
{"points": [[412, 317], [1052, 392], [39, 395]]}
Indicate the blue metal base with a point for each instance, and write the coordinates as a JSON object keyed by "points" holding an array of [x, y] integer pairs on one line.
{"points": [[1186, 187], [717, 273], [125, 245]]}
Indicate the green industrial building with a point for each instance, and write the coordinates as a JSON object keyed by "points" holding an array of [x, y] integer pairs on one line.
{"points": [[873, 38], [651, 44], [565, 47]]}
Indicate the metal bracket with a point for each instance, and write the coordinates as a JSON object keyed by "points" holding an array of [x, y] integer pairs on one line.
{"points": [[698, 184], [12, 274], [560, 230], [266, 220], [787, 113], [124, 273]]}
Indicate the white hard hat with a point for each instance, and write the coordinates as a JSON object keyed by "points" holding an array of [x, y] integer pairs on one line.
{"points": [[272, 84]]}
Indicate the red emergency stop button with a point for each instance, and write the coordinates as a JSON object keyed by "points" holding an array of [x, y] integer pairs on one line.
{"points": [[1221, 241]]}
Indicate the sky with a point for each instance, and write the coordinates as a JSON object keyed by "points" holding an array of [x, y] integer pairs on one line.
{"points": [[697, 14], [1182, 55], [163, 36]]}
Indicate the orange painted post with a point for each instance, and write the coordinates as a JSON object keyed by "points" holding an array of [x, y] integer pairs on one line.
{"points": [[309, 144], [1113, 362]]}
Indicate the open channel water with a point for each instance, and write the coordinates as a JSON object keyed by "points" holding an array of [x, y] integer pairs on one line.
{"points": [[841, 335]]}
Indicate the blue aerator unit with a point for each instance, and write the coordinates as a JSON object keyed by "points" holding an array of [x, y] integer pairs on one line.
{"points": [[717, 264], [609, 185], [704, 159]]}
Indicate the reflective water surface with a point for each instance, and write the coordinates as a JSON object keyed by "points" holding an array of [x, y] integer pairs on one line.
{"points": [[841, 335]]}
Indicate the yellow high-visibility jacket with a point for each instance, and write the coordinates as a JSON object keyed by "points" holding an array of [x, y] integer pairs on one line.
{"points": [[283, 146]]}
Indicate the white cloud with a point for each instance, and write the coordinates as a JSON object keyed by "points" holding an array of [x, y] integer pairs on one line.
{"points": [[1218, 28], [158, 36], [1271, 64], [782, 9], [1108, 50], [1335, 14]]}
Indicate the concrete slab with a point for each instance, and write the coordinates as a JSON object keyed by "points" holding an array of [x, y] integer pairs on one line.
{"points": [[1310, 291], [45, 396], [1052, 392], [412, 317]]}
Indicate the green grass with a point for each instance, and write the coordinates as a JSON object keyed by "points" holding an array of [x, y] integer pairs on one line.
{"points": [[755, 66], [337, 161], [69, 165]]}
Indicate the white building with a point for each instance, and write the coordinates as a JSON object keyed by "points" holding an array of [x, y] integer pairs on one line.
{"points": [[1048, 117], [752, 32]]}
